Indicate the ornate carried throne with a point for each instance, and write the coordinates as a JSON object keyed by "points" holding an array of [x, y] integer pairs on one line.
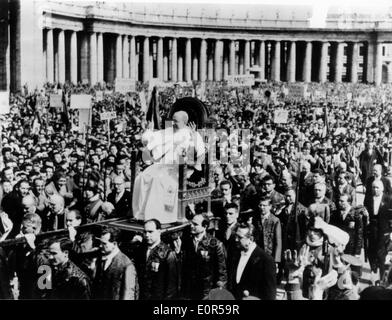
{"points": [[194, 193]]}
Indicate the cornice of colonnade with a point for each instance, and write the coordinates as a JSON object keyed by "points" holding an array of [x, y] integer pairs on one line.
{"points": [[54, 21]]}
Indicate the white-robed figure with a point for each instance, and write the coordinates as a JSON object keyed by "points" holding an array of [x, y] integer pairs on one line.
{"points": [[155, 192]]}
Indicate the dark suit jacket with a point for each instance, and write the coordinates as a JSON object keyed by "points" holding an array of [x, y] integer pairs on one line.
{"points": [[118, 282], [259, 276], [249, 198], [123, 207], [268, 236], [161, 283], [387, 187], [202, 269], [380, 223], [353, 225]]}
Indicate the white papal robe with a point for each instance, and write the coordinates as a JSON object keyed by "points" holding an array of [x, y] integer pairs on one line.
{"points": [[155, 192]]}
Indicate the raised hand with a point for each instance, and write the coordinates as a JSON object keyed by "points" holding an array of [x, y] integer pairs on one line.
{"points": [[192, 126], [296, 263]]}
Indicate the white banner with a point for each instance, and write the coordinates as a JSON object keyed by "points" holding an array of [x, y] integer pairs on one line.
{"points": [[108, 115], [281, 116], [98, 96], [125, 85], [55, 101], [143, 102], [4, 102], [80, 101], [298, 91], [246, 80]]}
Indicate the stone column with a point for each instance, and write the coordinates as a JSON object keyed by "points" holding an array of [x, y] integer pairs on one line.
{"points": [[323, 62], [232, 67], [165, 61], [210, 63], [354, 62], [307, 71], [84, 56], [262, 59], [389, 70], [100, 64], [339, 62], [276, 62], [49, 56], [203, 60], [160, 59], [370, 62], [218, 61], [93, 58], [195, 67], [378, 64], [247, 57], [146, 59], [174, 60], [125, 57], [188, 60], [119, 64], [180, 63], [291, 65], [132, 58], [225, 60], [74, 58], [61, 55], [241, 57]]}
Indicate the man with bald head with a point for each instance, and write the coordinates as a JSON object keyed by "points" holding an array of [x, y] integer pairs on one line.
{"points": [[55, 219], [377, 176], [379, 206], [120, 198], [29, 204]]}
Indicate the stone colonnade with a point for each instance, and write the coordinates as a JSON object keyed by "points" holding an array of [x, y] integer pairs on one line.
{"points": [[96, 57]]}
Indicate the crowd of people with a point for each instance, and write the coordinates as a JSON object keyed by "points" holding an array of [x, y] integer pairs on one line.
{"points": [[290, 218]]}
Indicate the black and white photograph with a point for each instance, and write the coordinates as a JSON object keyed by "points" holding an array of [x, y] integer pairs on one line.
{"points": [[181, 151]]}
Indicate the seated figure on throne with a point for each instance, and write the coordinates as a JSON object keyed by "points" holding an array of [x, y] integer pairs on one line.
{"points": [[155, 192]]}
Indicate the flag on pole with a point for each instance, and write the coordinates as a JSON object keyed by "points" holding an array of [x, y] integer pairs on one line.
{"points": [[65, 115], [326, 124], [153, 109]]}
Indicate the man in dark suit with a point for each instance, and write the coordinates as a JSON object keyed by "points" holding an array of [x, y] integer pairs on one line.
{"points": [[120, 198], [115, 277], [268, 231], [349, 220], [294, 222], [203, 261], [226, 232], [377, 175], [156, 265], [252, 269], [268, 190], [380, 214], [343, 187]]}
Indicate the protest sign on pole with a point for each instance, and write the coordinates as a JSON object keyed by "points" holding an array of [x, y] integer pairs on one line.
{"points": [[123, 85], [55, 101], [84, 119], [244, 80], [80, 101], [281, 116], [143, 102], [298, 91], [99, 96], [108, 115], [4, 102]]}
